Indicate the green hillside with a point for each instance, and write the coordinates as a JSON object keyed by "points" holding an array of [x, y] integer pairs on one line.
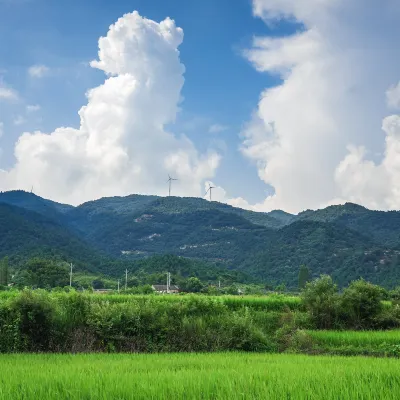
{"points": [[326, 249], [25, 234], [382, 227], [109, 234]]}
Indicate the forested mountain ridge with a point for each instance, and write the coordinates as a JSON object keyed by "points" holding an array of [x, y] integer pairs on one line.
{"points": [[347, 241], [382, 226], [326, 248], [25, 233]]}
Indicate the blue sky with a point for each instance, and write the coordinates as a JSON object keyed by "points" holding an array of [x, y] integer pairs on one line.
{"points": [[221, 87], [289, 104]]}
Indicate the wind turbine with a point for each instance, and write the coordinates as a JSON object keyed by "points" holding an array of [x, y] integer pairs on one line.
{"points": [[170, 182], [210, 188]]}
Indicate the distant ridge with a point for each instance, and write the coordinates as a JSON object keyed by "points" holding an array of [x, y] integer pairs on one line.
{"points": [[347, 241]]}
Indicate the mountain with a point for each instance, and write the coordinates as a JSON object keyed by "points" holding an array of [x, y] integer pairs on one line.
{"points": [[138, 226], [30, 201], [347, 241], [282, 216], [326, 248], [139, 204], [25, 233], [382, 226]]}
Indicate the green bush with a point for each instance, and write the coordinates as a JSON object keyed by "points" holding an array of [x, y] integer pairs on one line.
{"points": [[321, 299], [32, 320], [76, 322], [361, 304]]}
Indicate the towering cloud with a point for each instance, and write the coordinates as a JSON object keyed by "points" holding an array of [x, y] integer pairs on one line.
{"points": [[317, 137], [122, 145]]}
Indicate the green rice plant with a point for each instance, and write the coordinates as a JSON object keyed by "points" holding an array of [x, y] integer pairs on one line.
{"points": [[228, 376], [386, 343]]}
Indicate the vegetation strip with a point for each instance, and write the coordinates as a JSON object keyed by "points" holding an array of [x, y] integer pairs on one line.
{"points": [[197, 376]]}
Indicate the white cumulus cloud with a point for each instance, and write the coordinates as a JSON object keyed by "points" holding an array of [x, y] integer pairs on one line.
{"points": [[377, 185], [38, 71], [335, 73], [122, 145], [7, 93]]}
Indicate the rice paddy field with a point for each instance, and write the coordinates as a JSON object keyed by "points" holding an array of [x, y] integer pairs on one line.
{"points": [[373, 343], [197, 376], [274, 302]]}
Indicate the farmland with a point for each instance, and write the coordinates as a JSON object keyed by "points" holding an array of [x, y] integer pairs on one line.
{"points": [[274, 302], [376, 343], [190, 346], [197, 376]]}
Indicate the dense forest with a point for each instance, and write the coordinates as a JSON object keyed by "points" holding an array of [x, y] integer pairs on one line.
{"points": [[110, 235]]}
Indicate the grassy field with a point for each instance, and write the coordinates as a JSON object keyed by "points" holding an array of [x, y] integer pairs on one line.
{"points": [[377, 343], [197, 376]]}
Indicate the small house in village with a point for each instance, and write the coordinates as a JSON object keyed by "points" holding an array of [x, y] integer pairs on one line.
{"points": [[165, 289]]}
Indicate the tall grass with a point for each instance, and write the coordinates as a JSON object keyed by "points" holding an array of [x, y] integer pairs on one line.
{"points": [[197, 376]]}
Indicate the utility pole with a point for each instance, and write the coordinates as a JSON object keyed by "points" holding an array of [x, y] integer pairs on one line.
{"points": [[168, 281], [70, 277], [126, 278], [118, 285]]}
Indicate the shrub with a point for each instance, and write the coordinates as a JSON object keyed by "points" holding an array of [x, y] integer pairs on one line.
{"points": [[32, 317], [361, 304], [321, 299]]}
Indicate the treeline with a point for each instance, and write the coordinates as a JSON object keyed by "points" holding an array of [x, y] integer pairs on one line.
{"points": [[190, 275], [359, 306], [70, 321]]}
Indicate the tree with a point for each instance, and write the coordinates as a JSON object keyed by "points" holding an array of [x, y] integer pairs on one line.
{"points": [[361, 304], [193, 285], [46, 273], [321, 299], [133, 281], [4, 272], [304, 276]]}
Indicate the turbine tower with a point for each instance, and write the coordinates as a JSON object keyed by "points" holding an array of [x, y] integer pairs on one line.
{"points": [[170, 183], [210, 188]]}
